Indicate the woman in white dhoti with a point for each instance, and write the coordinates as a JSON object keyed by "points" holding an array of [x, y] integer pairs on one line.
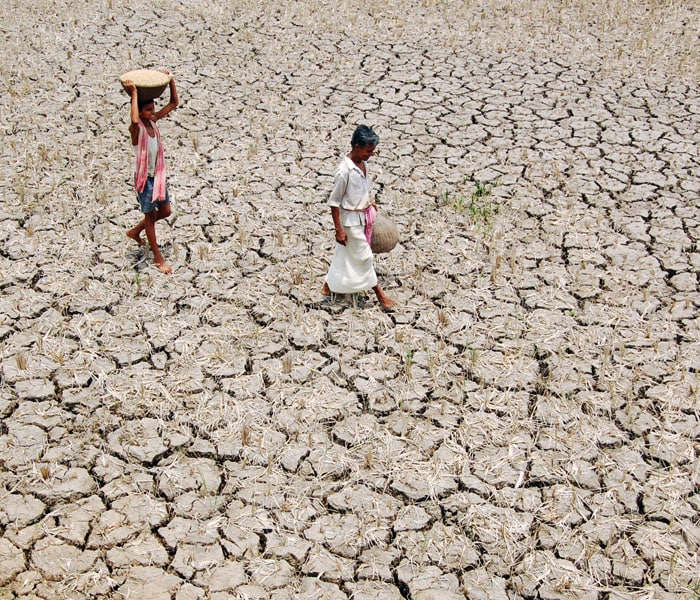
{"points": [[352, 268]]}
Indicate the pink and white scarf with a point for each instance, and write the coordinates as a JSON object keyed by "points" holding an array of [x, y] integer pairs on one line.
{"points": [[370, 218], [142, 164]]}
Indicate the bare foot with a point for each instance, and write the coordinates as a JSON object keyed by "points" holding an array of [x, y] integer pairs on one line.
{"points": [[325, 290], [164, 267], [385, 302], [135, 236]]}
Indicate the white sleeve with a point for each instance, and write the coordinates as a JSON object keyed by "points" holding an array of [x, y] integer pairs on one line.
{"points": [[340, 184]]}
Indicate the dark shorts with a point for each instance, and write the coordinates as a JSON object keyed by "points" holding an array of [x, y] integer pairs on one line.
{"points": [[146, 197]]}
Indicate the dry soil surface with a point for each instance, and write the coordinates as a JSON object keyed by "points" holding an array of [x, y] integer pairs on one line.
{"points": [[524, 425]]}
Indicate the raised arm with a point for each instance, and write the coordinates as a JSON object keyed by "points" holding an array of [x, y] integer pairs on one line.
{"points": [[174, 99], [130, 87]]}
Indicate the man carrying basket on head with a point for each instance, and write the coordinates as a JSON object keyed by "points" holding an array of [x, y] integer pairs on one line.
{"points": [[149, 178]]}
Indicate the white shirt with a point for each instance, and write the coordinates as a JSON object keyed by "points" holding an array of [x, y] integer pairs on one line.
{"points": [[152, 154], [350, 192]]}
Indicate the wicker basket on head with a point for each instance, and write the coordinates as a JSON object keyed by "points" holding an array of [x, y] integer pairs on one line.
{"points": [[149, 83], [385, 235]]}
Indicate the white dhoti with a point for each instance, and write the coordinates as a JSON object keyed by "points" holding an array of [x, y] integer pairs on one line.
{"points": [[352, 268]]}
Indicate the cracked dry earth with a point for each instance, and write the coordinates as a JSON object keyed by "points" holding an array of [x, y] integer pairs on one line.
{"points": [[525, 425]]}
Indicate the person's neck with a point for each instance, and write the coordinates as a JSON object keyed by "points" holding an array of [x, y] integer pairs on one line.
{"points": [[356, 160]]}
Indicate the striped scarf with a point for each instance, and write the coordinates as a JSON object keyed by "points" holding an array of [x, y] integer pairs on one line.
{"points": [[142, 164]]}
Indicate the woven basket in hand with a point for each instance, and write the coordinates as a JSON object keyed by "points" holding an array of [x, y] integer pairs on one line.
{"points": [[149, 83], [385, 235]]}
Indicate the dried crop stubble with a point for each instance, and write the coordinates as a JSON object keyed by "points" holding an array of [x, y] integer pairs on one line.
{"points": [[534, 400]]}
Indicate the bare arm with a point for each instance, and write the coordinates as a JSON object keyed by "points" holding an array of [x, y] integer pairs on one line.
{"points": [[133, 111], [340, 235], [174, 99]]}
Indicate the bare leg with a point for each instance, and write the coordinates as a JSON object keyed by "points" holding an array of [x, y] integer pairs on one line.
{"points": [[384, 300], [135, 232], [150, 226], [325, 290]]}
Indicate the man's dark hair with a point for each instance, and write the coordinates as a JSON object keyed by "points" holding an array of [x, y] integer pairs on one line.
{"points": [[364, 136]]}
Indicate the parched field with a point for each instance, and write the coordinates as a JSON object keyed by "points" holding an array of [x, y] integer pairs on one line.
{"points": [[525, 425]]}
